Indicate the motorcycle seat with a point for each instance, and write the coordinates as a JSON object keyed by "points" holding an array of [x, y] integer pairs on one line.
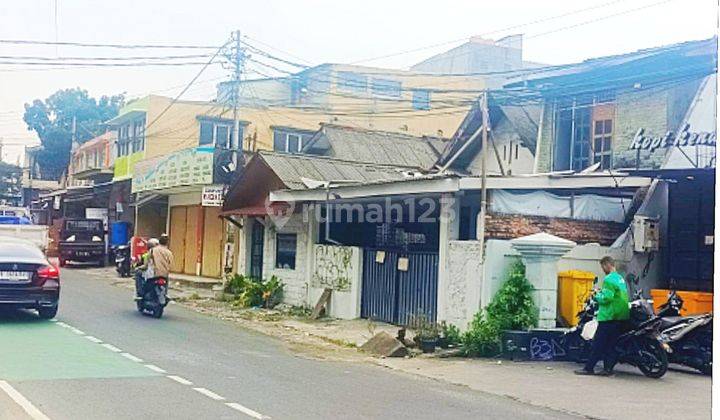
{"points": [[671, 321]]}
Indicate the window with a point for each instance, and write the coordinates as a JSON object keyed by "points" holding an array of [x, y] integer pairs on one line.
{"points": [[351, 82], [602, 143], [384, 87], [216, 133], [285, 250], [123, 142], [290, 141], [138, 135], [421, 99]]}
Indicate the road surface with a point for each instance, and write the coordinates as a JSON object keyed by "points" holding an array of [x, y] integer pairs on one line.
{"points": [[101, 359]]}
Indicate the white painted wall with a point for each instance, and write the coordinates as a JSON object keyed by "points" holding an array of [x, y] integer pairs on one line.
{"points": [[500, 256], [296, 286], [449, 230], [463, 286], [344, 301]]}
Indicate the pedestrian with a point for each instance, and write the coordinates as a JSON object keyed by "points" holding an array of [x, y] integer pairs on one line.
{"points": [[612, 315], [161, 258]]}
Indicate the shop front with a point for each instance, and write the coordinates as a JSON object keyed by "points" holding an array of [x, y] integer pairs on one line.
{"points": [[181, 194]]}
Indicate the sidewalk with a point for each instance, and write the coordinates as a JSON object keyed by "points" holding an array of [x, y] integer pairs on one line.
{"points": [[627, 395]]}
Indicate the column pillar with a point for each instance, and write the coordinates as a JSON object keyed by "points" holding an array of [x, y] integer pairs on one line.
{"points": [[449, 230], [540, 253]]}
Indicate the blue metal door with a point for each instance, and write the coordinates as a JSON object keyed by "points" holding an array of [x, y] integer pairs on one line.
{"points": [[397, 286]]}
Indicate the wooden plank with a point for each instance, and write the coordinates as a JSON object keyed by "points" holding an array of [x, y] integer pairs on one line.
{"points": [[323, 301], [212, 243], [178, 220], [191, 240]]}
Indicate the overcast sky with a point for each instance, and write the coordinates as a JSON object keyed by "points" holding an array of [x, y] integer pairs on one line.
{"points": [[314, 31]]}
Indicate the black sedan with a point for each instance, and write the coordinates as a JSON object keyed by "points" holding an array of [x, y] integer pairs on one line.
{"points": [[27, 279]]}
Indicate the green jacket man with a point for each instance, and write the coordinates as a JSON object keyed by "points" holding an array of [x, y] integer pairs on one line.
{"points": [[613, 299], [613, 312]]}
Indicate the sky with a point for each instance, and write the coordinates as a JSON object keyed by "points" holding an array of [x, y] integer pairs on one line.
{"points": [[311, 32]]}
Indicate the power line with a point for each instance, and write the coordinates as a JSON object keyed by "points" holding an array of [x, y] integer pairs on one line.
{"points": [[517, 26], [188, 86], [601, 18], [136, 64], [91, 58], [93, 45]]}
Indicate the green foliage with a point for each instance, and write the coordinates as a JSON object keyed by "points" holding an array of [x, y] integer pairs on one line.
{"points": [[482, 337], [52, 120], [425, 329], [450, 333], [250, 292], [512, 308]]}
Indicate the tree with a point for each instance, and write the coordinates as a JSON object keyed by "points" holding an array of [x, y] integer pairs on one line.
{"points": [[52, 120]]}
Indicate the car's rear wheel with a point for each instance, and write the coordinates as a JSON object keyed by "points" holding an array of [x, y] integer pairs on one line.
{"points": [[48, 312]]}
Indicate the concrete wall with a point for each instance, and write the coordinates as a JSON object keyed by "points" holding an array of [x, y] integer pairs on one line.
{"points": [[338, 268], [295, 280], [500, 256], [463, 288]]}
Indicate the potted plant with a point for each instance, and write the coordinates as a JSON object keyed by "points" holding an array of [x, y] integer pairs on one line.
{"points": [[427, 333]]}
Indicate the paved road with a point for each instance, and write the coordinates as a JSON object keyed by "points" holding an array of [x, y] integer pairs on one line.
{"points": [[101, 359]]}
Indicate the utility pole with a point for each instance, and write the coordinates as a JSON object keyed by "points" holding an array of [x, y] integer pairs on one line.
{"points": [[238, 59], [483, 180]]}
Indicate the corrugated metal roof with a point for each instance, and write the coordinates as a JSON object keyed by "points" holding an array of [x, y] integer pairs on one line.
{"points": [[292, 168], [379, 147]]}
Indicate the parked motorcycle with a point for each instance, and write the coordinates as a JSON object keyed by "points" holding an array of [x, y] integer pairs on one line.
{"points": [[122, 260], [638, 345], [689, 338], [153, 297]]}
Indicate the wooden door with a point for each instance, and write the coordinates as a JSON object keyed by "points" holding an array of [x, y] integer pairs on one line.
{"points": [[178, 222], [191, 239], [256, 250], [212, 243]]}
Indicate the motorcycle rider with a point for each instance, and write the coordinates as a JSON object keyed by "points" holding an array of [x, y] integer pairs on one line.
{"points": [[161, 258], [145, 270], [613, 313]]}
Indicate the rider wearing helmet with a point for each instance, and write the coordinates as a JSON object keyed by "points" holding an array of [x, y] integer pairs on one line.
{"points": [[144, 270]]}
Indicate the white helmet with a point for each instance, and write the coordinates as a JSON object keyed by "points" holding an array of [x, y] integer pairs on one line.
{"points": [[152, 242]]}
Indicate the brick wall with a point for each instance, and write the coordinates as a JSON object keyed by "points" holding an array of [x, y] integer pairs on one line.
{"points": [[506, 226]]}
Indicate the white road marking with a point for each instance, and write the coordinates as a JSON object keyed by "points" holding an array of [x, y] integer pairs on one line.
{"points": [[131, 357], [111, 347], [155, 368], [93, 339], [210, 394], [179, 380], [53, 320], [241, 408], [77, 331], [23, 402], [62, 324]]}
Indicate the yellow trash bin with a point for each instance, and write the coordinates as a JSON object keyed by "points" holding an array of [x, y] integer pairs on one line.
{"points": [[574, 286]]}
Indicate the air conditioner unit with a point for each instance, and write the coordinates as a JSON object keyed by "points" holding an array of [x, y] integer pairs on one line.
{"points": [[646, 233]]}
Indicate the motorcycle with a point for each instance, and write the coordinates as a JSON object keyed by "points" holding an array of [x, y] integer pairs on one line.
{"points": [[153, 297], [122, 260], [638, 345], [689, 338]]}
